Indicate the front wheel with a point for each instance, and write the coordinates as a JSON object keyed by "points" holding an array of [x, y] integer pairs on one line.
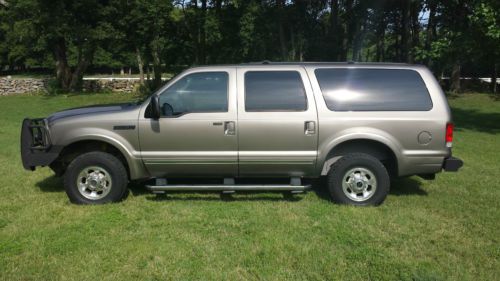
{"points": [[95, 178], [358, 179]]}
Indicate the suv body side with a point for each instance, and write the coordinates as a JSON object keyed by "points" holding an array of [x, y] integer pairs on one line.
{"points": [[265, 143]]}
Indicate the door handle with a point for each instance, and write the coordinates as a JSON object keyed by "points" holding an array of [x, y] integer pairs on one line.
{"points": [[309, 127], [229, 128]]}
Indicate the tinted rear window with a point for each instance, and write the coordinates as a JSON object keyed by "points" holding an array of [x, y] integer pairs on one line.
{"points": [[274, 91], [373, 89]]}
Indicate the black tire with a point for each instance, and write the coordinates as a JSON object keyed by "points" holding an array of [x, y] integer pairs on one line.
{"points": [[109, 164], [349, 162]]}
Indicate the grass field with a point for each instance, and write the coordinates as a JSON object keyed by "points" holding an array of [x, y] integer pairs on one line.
{"points": [[446, 229]]}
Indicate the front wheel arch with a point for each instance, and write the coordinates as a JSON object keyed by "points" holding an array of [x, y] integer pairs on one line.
{"points": [[77, 148]]}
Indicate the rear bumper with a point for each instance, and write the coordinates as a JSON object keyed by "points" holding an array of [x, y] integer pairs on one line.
{"points": [[452, 164], [36, 146]]}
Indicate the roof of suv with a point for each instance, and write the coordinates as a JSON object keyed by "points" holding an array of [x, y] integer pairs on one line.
{"points": [[269, 63]]}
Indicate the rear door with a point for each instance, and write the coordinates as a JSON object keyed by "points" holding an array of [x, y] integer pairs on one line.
{"points": [[277, 122]]}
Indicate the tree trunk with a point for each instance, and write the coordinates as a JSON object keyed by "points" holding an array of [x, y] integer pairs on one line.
{"points": [[335, 29], [203, 33], [196, 36], [494, 77], [77, 77], [348, 32], [140, 64], [405, 28], [431, 30], [380, 55], [281, 29], [70, 80], [415, 29], [156, 69], [455, 77], [63, 71], [358, 39], [84, 59]]}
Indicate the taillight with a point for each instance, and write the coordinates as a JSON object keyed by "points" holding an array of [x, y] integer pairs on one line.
{"points": [[449, 134]]}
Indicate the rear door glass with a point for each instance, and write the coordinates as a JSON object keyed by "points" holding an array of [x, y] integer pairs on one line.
{"points": [[274, 91]]}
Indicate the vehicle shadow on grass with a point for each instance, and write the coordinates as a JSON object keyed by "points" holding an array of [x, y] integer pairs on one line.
{"points": [[472, 119], [55, 184], [51, 184], [399, 187], [214, 196]]}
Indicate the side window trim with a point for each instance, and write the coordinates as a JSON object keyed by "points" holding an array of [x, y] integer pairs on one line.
{"points": [[191, 112], [306, 107]]}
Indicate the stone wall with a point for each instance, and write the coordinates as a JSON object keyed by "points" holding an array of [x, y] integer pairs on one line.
{"points": [[113, 85], [10, 86], [21, 86]]}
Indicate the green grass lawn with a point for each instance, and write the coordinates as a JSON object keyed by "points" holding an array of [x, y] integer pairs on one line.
{"points": [[446, 229]]}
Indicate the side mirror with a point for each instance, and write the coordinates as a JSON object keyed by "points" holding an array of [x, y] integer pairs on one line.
{"points": [[155, 107]]}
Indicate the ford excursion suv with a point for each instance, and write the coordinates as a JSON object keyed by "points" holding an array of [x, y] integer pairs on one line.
{"points": [[241, 127]]}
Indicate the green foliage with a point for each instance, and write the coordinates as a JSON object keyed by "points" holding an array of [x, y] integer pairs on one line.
{"points": [[160, 35], [53, 87], [488, 18]]}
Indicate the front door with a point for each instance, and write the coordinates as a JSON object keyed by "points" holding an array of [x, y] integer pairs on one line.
{"points": [[196, 134], [277, 122]]}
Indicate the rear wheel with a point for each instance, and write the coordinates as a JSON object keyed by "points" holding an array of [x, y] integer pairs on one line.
{"points": [[358, 179], [95, 178]]}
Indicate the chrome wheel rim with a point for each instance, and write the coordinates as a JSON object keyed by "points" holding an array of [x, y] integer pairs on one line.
{"points": [[94, 183], [359, 184]]}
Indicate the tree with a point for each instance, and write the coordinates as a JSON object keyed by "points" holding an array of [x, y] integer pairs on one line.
{"points": [[70, 30], [486, 25], [457, 38]]}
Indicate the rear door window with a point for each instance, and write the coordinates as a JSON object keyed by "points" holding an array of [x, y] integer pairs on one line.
{"points": [[274, 91], [373, 89]]}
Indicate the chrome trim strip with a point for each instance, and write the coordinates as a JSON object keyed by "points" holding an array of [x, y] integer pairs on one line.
{"points": [[159, 154], [278, 153]]}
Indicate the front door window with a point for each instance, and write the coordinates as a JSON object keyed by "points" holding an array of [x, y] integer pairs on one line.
{"points": [[196, 93]]}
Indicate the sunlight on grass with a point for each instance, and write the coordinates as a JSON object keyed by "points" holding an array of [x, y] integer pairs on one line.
{"points": [[447, 229]]}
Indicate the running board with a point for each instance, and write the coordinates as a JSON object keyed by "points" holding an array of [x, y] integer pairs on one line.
{"points": [[228, 187]]}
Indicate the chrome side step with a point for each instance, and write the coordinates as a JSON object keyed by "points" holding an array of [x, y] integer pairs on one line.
{"points": [[228, 188]]}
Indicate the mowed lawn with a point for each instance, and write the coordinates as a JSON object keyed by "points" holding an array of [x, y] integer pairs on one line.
{"points": [[446, 229]]}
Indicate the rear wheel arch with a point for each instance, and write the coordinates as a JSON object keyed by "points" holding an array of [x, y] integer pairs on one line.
{"points": [[377, 149]]}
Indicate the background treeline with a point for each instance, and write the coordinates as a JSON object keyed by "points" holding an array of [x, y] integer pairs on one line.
{"points": [[69, 38]]}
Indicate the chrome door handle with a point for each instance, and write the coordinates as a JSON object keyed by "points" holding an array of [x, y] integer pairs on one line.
{"points": [[309, 127], [229, 128]]}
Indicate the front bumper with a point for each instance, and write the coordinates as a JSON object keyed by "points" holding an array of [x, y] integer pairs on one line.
{"points": [[36, 145], [452, 164]]}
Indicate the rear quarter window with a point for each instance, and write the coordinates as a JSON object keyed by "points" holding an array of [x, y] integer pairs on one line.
{"points": [[373, 89]]}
